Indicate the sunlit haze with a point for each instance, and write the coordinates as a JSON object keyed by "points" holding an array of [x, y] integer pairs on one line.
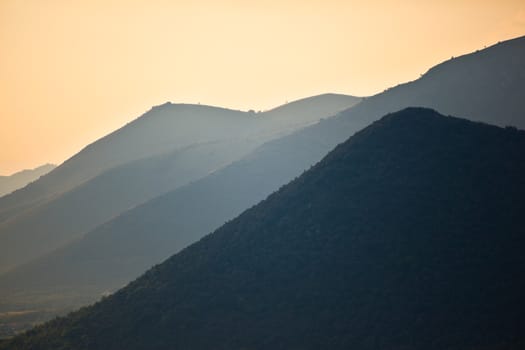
{"points": [[72, 71]]}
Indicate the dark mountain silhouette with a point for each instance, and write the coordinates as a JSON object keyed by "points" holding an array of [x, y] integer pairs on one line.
{"points": [[113, 254], [42, 228], [407, 236], [18, 180]]}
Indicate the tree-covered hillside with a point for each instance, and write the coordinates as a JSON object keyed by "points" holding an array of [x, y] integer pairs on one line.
{"points": [[407, 236]]}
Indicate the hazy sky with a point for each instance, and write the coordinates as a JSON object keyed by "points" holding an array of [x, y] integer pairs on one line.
{"points": [[72, 71]]}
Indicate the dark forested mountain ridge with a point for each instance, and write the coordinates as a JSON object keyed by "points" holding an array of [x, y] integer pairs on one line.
{"points": [[407, 236]]}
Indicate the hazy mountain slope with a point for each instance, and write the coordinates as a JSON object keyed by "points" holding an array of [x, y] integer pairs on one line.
{"points": [[309, 109], [167, 127], [118, 251], [132, 242], [47, 225], [487, 85], [161, 129], [18, 180], [407, 236], [60, 220]]}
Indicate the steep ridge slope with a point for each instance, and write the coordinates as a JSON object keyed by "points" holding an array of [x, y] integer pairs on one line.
{"points": [[407, 236]]}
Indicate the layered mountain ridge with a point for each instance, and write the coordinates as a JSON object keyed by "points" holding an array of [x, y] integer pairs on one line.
{"points": [[183, 201], [406, 236], [112, 254], [167, 147]]}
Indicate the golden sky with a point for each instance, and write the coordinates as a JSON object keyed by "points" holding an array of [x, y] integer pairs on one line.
{"points": [[72, 71]]}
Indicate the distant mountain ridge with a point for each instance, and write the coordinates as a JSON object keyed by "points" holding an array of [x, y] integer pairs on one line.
{"points": [[169, 126], [158, 130], [21, 178], [165, 148], [407, 236]]}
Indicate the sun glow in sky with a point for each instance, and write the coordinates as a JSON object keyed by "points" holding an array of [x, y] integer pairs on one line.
{"points": [[72, 71]]}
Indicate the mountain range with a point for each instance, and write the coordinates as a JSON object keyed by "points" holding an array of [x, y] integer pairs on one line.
{"points": [[67, 246], [406, 236], [110, 255]]}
